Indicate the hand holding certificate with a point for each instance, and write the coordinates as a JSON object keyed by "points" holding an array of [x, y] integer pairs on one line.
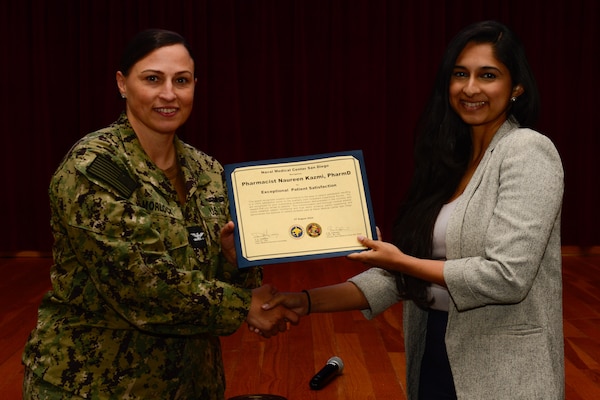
{"points": [[299, 208]]}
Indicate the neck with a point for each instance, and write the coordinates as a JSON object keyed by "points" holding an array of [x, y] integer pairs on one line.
{"points": [[158, 146], [163, 159], [481, 137], [161, 152]]}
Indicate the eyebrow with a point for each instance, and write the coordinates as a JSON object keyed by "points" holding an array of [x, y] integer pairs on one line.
{"points": [[155, 71], [485, 67]]}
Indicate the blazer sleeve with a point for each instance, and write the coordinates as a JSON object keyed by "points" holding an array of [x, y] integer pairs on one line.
{"points": [[379, 288], [497, 239]]}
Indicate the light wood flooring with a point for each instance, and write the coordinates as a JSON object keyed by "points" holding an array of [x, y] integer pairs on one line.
{"points": [[372, 351]]}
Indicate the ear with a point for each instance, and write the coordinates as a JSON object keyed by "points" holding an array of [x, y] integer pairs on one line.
{"points": [[518, 90], [121, 83]]}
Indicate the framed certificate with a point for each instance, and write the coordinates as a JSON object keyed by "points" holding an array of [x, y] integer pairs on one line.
{"points": [[300, 208]]}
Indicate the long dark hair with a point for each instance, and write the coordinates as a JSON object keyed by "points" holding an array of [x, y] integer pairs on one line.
{"points": [[443, 146], [145, 42]]}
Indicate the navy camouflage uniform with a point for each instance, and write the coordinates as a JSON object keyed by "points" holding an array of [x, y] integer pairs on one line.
{"points": [[141, 291]]}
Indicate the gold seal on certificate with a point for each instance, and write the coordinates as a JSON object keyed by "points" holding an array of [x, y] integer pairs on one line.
{"points": [[299, 208]]}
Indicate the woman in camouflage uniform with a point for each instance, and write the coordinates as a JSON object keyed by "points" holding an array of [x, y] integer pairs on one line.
{"points": [[144, 276]]}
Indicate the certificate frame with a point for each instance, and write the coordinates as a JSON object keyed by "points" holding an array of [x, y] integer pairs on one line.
{"points": [[299, 208]]}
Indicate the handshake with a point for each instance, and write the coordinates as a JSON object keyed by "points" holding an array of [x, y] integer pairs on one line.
{"points": [[271, 311]]}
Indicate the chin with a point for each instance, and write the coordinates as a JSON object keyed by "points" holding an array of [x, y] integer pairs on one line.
{"points": [[472, 118]]}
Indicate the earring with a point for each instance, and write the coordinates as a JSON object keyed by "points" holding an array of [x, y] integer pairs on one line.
{"points": [[513, 99], [123, 96]]}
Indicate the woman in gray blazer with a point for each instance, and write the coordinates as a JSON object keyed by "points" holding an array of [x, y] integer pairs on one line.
{"points": [[475, 252]]}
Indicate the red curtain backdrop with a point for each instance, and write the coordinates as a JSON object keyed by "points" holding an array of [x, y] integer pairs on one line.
{"points": [[283, 78]]}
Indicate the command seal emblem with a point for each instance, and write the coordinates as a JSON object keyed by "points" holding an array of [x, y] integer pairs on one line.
{"points": [[313, 229], [296, 231]]}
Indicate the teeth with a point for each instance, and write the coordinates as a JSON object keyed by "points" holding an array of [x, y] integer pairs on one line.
{"points": [[166, 110], [479, 103]]}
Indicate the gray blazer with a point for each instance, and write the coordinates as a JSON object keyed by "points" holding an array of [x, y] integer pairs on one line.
{"points": [[503, 271]]}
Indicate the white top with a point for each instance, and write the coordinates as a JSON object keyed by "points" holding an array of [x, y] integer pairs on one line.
{"points": [[439, 294]]}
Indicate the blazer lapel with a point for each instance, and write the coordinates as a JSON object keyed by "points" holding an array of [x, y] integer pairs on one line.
{"points": [[455, 223]]}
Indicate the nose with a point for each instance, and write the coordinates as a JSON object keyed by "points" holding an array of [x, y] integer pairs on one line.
{"points": [[167, 92], [471, 88]]}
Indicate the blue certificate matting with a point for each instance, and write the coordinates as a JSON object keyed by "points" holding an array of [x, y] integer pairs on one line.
{"points": [[299, 208]]}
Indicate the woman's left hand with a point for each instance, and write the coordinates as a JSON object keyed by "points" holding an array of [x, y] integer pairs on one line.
{"points": [[379, 253], [228, 243], [387, 256]]}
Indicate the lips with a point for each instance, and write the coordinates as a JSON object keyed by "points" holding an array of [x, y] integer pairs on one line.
{"points": [[166, 110], [473, 105]]}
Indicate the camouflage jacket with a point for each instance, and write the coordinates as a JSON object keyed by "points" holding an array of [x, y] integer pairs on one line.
{"points": [[140, 290]]}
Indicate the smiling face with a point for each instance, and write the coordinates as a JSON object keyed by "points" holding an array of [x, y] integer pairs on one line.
{"points": [[481, 87], [159, 90]]}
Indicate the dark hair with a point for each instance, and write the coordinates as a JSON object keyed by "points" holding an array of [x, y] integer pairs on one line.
{"points": [[145, 42], [443, 145]]}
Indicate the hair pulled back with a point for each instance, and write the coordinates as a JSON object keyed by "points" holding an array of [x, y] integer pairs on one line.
{"points": [[145, 42]]}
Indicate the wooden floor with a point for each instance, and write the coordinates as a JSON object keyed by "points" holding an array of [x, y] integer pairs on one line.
{"points": [[372, 351]]}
